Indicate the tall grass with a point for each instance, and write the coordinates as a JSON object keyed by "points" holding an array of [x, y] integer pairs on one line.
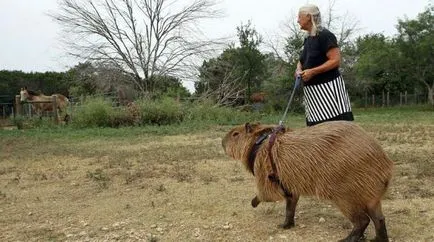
{"points": [[95, 112], [96, 119]]}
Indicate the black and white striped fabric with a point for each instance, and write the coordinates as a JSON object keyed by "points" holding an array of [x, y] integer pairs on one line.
{"points": [[326, 101]]}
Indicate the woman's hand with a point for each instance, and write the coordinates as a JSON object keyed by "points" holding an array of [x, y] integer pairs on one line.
{"points": [[297, 73], [307, 74]]}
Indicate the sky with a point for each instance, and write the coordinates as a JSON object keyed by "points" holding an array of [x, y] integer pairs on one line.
{"points": [[30, 39]]}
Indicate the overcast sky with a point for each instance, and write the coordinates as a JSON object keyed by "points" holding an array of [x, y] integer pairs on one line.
{"points": [[29, 39]]}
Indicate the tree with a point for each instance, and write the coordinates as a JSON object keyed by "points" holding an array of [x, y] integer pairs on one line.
{"points": [[415, 42], [220, 79], [142, 38], [378, 65], [237, 72], [250, 61], [89, 79]]}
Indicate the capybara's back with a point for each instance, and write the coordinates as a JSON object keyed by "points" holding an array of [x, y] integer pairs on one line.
{"points": [[334, 160]]}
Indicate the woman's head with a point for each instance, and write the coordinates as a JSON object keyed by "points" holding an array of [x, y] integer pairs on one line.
{"points": [[309, 19]]}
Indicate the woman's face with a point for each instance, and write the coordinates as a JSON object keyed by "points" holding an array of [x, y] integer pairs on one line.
{"points": [[304, 21]]}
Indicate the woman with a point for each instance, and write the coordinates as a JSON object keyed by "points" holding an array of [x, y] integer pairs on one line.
{"points": [[325, 96]]}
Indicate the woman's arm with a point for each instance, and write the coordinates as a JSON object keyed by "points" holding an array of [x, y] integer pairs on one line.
{"points": [[334, 61]]}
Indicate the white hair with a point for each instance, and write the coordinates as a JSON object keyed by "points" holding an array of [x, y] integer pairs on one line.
{"points": [[315, 14]]}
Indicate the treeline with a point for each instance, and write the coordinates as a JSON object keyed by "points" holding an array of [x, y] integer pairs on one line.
{"points": [[85, 79], [371, 64]]}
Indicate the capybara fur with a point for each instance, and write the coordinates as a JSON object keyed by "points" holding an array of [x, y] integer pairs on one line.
{"points": [[336, 161]]}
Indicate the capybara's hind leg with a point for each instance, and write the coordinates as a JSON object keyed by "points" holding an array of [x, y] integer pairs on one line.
{"points": [[360, 221], [291, 204], [377, 217]]}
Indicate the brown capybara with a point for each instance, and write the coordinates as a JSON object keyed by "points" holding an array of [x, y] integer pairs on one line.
{"points": [[336, 161]]}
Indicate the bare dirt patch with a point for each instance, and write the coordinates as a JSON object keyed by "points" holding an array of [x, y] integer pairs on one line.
{"points": [[184, 188]]}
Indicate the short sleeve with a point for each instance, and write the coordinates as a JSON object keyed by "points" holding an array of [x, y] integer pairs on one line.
{"points": [[303, 52], [328, 41]]}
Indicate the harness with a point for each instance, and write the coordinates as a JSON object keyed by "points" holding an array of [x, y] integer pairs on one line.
{"points": [[255, 148], [273, 176]]}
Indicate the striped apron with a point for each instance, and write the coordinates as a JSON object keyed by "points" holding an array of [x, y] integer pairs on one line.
{"points": [[327, 101]]}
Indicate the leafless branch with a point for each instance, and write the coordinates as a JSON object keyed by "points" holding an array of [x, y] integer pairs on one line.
{"points": [[144, 38]]}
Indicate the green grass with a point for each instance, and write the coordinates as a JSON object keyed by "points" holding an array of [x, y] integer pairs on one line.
{"points": [[421, 115], [411, 114]]}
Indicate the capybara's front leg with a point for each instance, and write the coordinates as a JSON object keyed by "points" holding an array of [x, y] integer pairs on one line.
{"points": [[255, 202], [291, 204]]}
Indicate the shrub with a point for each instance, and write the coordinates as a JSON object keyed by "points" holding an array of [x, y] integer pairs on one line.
{"points": [[18, 120], [161, 111], [209, 112], [121, 117], [94, 112]]}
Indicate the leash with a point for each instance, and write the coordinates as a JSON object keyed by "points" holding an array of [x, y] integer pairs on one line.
{"points": [[296, 84], [273, 176]]}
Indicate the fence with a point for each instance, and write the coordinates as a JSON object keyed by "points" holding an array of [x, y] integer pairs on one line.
{"points": [[6, 106], [26, 109], [111, 97], [388, 99]]}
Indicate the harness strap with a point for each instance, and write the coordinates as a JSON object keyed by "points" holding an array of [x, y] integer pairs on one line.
{"points": [[273, 176], [255, 148]]}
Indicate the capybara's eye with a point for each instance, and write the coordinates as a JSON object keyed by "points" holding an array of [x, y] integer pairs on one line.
{"points": [[235, 134]]}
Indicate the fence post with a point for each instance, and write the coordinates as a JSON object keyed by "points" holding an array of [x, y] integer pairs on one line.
{"points": [[400, 98], [55, 114], [18, 106], [406, 97], [388, 99], [373, 100], [415, 96], [383, 101], [366, 99]]}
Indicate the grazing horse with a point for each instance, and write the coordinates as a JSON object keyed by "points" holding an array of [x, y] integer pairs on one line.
{"points": [[62, 103]]}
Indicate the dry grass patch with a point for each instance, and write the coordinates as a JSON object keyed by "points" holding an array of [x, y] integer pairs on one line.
{"points": [[184, 188]]}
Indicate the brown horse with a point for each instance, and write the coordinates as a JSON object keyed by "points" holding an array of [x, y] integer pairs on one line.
{"points": [[43, 103]]}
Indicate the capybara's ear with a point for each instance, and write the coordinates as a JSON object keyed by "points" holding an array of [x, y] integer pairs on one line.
{"points": [[250, 127]]}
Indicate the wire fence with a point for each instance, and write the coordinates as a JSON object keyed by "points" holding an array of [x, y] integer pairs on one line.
{"points": [[388, 99]]}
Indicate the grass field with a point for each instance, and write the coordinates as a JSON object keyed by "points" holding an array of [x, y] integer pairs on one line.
{"points": [[174, 183]]}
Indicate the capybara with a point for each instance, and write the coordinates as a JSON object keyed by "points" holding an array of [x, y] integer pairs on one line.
{"points": [[336, 161]]}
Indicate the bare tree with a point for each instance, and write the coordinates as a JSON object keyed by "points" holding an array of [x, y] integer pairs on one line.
{"points": [[225, 88], [229, 92], [344, 26], [142, 38]]}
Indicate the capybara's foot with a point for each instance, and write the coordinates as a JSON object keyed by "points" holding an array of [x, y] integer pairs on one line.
{"points": [[287, 225], [255, 202], [354, 238], [378, 239]]}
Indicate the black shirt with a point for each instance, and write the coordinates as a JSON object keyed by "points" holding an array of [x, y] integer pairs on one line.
{"points": [[315, 54]]}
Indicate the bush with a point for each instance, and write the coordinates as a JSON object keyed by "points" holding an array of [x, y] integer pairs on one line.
{"points": [[162, 112], [23, 122], [94, 112], [209, 112], [18, 121], [121, 117]]}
